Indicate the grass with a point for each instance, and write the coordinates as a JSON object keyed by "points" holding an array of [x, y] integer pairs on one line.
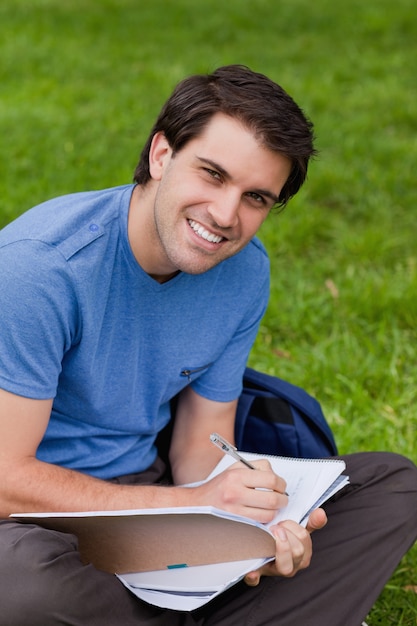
{"points": [[80, 83]]}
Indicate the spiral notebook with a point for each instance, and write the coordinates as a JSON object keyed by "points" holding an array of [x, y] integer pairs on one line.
{"points": [[181, 558]]}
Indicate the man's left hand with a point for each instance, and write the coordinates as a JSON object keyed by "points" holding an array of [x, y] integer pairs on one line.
{"points": [[293, 548]]}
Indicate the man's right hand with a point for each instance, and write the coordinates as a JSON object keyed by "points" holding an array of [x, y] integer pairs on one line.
{"points": [[257, 494]]}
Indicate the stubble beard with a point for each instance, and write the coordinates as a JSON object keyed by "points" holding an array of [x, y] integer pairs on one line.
{"points": [[183, 256]]}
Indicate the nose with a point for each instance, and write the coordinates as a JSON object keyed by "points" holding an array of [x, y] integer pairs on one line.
{"points": [[224, 210]]}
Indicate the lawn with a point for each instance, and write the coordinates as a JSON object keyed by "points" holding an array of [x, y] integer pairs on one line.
{"points": [[80, 84]]}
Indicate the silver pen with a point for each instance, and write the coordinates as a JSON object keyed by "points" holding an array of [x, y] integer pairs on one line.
{"points": [[229, 449]]}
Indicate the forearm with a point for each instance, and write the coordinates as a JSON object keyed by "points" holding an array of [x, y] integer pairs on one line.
{"points": [[196, 465], [37, 486], [192, 455]]}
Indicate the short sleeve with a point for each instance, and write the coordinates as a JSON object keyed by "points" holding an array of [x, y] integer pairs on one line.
{"points": [[39, 320]]}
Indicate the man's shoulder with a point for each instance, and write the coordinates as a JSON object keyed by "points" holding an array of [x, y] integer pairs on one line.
{"points": [[256, 246], [58, 218], [253, 258]]}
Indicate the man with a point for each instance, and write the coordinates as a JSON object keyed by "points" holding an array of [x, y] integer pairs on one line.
{"points": [[115, 302]]}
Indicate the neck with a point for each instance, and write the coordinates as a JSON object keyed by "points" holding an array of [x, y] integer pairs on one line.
{"points": [[141, 233]]}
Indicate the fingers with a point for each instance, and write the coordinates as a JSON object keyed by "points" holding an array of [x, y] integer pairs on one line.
{"points": [[262, 464], [293, 553], [267, 480], [263, 505], [255, 493], [293, 548], [259, 494]]}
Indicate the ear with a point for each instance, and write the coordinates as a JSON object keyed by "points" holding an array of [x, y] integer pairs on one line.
{"points": [[159, 155]]}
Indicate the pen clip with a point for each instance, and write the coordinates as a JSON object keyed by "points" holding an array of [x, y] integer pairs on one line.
{"points": [[222, 443], [229, 448]]}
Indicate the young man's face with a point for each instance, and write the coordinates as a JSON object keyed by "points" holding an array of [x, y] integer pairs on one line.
{"points": [[212, 196]]}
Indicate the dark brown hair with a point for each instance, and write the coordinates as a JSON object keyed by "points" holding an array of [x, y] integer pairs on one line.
{"points": [[252, 98]]}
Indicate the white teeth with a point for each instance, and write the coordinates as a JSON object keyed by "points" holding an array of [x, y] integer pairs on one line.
{"points": [[202, 232]]}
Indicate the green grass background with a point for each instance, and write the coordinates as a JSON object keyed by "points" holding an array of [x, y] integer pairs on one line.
{"points": [[80, 84]]}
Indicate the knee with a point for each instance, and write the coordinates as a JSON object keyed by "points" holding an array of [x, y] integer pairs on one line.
{"points": [[400, 482], [388, 477], [403, 472], [31, 567]]}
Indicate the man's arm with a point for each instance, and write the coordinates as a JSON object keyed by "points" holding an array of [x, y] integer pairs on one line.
{"points": [[28, 484], [192, 455], [254, 494]]}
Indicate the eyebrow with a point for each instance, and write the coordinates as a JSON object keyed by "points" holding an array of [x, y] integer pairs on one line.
{"points": [[223, 172]]}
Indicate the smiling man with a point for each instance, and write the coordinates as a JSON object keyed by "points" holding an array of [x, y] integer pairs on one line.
{"points": [[115, 302], [206, 202]]}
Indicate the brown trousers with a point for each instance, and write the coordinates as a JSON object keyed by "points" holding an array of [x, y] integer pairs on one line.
{"points": [[372, 523]]}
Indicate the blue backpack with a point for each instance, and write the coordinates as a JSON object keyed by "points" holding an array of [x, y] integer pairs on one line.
{"points": [[278, 418]]}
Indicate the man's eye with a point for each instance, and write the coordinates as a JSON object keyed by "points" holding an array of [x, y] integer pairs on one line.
{"points": [[213, 173], [256, 197]]}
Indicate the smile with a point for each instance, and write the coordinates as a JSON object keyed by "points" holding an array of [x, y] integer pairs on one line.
{"points": [[203, 233]]}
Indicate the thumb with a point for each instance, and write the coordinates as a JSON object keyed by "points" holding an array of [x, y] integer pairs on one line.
{"points": [[252, 579], [316, 520]]}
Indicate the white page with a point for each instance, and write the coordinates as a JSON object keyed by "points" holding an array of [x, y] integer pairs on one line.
{"points": [[188, 588], [307, 480], [197, 578]]}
